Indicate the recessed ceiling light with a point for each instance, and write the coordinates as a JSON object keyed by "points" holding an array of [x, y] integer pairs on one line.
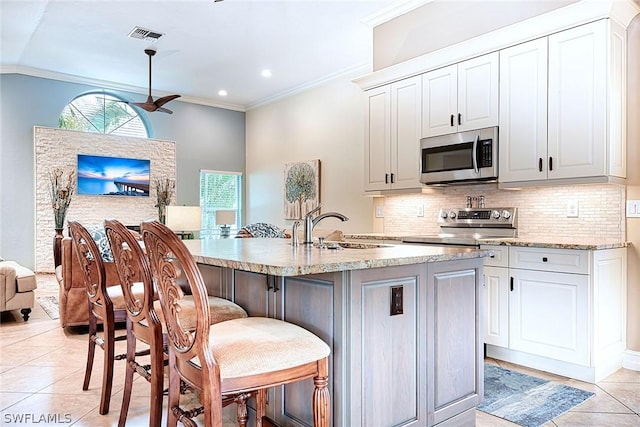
{"points": [[222, 92], [266, 73]]}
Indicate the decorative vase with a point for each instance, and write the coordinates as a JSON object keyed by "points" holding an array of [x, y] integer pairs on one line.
{"points": [[57, 247], [161, 213]]}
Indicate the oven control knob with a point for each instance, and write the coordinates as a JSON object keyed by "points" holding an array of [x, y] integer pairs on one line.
{"points": [[495, 214], [444, 214], [506, 214], [452, 214]]}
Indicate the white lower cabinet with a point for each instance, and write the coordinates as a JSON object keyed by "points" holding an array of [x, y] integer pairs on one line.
{"points": [[549, 315], [496, 306], [558, 310]]}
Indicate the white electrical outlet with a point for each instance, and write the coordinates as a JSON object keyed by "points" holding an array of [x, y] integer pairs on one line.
{"points": [[633, 208], [572, 209], [420, 210], [379, 212]]}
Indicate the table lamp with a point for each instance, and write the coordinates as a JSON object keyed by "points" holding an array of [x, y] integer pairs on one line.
{"points": [[224, 218], [184, 220]]}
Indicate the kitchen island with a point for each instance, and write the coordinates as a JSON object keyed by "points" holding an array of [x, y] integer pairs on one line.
{"points": [[402, 323]]}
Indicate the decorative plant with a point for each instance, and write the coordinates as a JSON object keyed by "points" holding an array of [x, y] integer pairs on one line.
{"points": [[164, 192], [61, 192]]}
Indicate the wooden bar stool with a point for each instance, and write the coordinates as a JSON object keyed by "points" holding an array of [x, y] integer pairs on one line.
{"points": [[105, 304], [145, 320], [236, 358]]}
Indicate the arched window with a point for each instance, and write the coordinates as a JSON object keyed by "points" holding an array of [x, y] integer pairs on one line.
{"points": [[102, 113]]}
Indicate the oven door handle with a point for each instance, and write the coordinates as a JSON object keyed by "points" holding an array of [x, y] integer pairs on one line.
{"points": [[474, 154]]}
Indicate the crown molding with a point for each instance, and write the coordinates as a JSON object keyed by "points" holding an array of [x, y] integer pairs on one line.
{"points": [[71, 78], [392, 11], [579, 13], [348, 72]]}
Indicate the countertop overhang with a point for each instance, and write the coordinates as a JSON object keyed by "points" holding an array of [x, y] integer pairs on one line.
{"points": [[579, 243], [279, 258]]}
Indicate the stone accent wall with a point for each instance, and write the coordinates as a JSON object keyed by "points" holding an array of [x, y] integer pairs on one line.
{"points": [[58, 148], [541, 210]]}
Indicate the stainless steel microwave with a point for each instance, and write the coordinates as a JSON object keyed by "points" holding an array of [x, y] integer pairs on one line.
{"points": [[461, 157]]}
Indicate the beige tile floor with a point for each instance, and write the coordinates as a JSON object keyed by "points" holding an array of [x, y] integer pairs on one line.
{"points": [[42, 366]]}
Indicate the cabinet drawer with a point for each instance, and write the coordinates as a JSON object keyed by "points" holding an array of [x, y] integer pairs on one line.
{"points": [[558, 260], [500, 256]]}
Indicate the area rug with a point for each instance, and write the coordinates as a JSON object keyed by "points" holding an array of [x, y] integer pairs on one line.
{"points": [[50, 306], [525, 400]]}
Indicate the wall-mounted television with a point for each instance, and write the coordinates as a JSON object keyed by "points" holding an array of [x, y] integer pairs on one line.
{"points": [[116, 176]]}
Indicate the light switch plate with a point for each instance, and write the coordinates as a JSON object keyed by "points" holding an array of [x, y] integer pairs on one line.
{"points": [[379, 212], [420, 210], [572, 209], [633, 208]]}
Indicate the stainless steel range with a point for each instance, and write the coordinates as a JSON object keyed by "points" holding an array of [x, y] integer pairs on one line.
{"points": [[463, 227]]}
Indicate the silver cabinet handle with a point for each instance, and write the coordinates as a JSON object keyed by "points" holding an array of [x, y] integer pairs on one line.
{"points": [[475, 154]]}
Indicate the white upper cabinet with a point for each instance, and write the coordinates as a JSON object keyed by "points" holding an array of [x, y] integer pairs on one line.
{"points": [[564, 121], [392, 136], [577, 102], [460, 97], [522, 133]]}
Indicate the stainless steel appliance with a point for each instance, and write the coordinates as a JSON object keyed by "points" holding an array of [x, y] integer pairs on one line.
{"points": [[460, 157], [464, 227]]}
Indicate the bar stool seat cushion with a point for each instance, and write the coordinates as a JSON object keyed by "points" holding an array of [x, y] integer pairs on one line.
{"points": [[220, 310], [258, 345]]}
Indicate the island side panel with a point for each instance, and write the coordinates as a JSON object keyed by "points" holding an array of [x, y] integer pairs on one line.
{"points": [[308, 301], [454, 344]]}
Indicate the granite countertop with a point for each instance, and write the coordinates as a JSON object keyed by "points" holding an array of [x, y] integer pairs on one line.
{"points": [[580, 243], [277, 256], [587, 244]]}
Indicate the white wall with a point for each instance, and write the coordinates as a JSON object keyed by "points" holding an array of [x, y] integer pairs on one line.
{"points": [[325, 123]]}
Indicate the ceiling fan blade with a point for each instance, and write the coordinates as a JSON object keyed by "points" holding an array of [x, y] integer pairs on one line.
{"points": [[145, 106], [164, 110], [161, 101]]}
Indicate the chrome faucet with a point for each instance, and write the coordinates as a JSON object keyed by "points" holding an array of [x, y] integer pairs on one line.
{"points": [[310, 222], [294, 233]]}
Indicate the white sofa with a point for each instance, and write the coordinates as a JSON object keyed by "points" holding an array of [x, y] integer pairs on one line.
{"points": [[17, 285]]}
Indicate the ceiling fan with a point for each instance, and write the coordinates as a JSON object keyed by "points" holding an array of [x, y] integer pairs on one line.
{"points": [[151, 105]]}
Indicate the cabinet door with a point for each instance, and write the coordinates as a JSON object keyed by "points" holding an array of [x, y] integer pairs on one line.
{"points": [[377, 136], [440, 101], [405, 133], [577, 101], [307, 301], [496, 306], [549, 315], [478, 93], [454, 338], [523, 112], [253, 292]]}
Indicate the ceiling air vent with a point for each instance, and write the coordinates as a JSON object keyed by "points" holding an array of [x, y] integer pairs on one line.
{"points": [[144, 34]]}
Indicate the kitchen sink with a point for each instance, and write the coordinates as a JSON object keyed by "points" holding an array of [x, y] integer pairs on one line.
{"points": [[354, 245]]}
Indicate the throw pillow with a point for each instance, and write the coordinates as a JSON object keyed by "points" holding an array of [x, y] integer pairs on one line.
{"points": [[262, 229], [100, 237]]}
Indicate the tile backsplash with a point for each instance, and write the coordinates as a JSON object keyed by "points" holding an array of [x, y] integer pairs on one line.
{"points": [[541, 210]]}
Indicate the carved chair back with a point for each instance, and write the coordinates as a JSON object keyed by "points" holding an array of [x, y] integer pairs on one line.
{"points": [[133, 267], [91, 264], [172, 264]]}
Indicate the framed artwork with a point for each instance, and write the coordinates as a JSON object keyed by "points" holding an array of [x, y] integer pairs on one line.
{"points": [[301, 188]]}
